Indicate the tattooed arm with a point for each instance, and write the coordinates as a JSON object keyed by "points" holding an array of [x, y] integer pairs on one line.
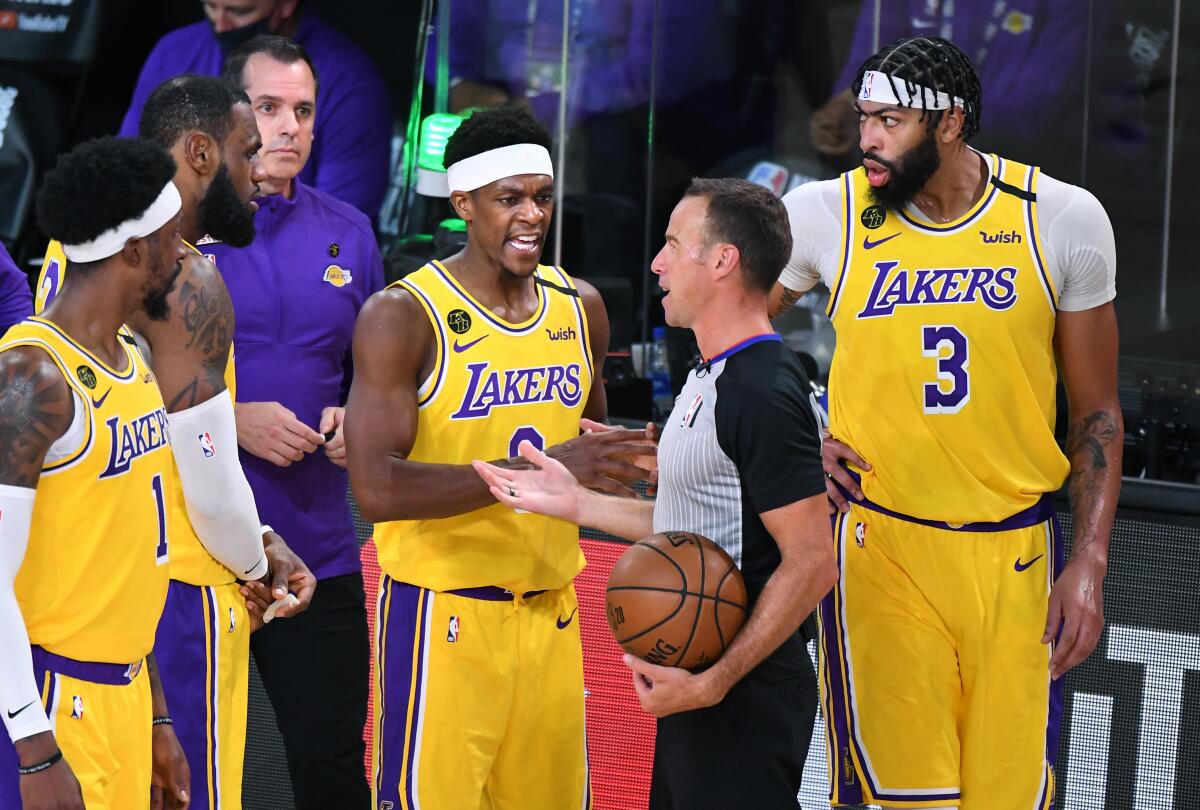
{"points": [[781, 300], [36, 408], [191, 347], [1086, 345]]}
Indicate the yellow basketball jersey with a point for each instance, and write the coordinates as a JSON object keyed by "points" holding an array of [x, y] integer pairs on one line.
{"points": [[94, 578], [190, 560], [944, 373], [493, 385]]}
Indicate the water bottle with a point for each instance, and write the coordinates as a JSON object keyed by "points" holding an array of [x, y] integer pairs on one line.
{"points": [[659, 372]]}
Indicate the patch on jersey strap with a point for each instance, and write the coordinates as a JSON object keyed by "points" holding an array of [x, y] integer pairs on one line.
{"points": [[337, 276], [689, 418]]}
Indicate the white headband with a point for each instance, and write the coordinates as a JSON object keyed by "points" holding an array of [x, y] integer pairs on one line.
{"points": [[113, 240], [477, 171], [881, 87]]}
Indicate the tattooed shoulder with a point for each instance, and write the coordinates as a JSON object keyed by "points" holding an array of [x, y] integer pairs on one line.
{"points": [[35, 409]]}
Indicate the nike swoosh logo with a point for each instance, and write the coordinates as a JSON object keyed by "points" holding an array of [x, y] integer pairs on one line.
{"points": [[868, 244], [463, 347], [96, 403], [1020, 566], [563, 625], [11, 715]]}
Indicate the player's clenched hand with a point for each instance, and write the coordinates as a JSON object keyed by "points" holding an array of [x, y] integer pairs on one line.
{"points": [[605, 460], [833, 453], [670, 690], [548, 488], [1077, 606], [335, 448], [55, 788], [286, 573], [271, 431], [170, 779]]}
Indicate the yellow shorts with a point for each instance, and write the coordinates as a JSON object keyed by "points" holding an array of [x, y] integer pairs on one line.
{"points": [[203, 652], [478, 701], [935, 684], [101, 720]]}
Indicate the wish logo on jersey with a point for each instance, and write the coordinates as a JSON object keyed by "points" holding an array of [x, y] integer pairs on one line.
{"points": [[518, 386], [896, 286], [131, 440]]}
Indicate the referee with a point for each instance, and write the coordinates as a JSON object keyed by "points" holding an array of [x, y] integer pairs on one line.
{"points": [[739, 462]]}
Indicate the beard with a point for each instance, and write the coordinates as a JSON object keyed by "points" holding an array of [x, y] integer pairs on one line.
{"points": [[907, 175], [224, 215], [154, 304]]}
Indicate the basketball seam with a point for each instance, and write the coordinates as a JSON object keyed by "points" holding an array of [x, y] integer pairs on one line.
{"points": [[699, 605], [682, 594]]}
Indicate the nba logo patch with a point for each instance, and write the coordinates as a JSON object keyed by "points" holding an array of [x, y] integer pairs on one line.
{"points": [[77, 707], [206, 444], [860, 535], [337, 276], [689, 417], [232, 621], [452, 630]]}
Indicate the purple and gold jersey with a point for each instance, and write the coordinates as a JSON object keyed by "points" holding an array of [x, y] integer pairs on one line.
{"points": [[190, 561], [944, 374], [94, 578], [493, 385]]}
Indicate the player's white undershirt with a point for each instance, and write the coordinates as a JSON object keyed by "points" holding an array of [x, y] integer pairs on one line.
{"points": [[1074, 229]]}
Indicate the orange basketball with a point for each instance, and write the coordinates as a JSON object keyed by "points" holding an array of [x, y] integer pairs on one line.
{"points": [[676, 599]]}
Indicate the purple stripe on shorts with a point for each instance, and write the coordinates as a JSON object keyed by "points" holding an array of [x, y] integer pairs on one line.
{"points": [[849, 788], [399, 625], [214, 691], [1055, 713], [183, 661], [418, 697], [91, 671]]}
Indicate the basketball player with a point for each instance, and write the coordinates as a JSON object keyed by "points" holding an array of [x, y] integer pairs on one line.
{"points": [[479, 663], [84, 473], [956, 279], [203, 640], [738, 462]]}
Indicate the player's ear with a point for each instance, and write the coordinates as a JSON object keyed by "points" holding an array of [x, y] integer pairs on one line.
{"points": [[462, 202], [200, 152], [134, 251], [951, 125]]}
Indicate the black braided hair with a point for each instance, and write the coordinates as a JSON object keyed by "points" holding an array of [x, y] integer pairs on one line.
{"points": [[935, 63]]}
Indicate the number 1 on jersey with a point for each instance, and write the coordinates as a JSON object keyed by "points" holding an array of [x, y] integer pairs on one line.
{"points": [[936, 341], [161, 550]]}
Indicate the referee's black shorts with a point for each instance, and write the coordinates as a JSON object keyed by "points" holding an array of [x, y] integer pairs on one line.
{"points": [[748, 751]]}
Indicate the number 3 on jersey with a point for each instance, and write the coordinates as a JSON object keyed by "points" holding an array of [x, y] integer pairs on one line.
{"points": [[953, 387]]}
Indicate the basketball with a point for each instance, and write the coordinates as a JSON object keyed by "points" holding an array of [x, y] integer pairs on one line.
{"points": [[676, 599]]}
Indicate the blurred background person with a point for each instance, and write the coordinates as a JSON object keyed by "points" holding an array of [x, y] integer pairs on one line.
{"points": [[349, 158]]}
